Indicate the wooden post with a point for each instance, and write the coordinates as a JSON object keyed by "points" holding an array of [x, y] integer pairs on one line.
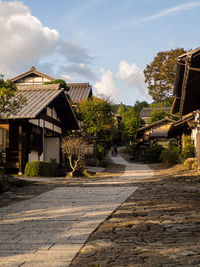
{"points": [[20, 149], [198, 149]]}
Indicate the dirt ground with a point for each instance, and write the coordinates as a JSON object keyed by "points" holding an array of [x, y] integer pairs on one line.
{"points": [[158, 226]]}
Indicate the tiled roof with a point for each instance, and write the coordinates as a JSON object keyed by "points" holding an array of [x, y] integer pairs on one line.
{"points": [[36, 101], [79, 91], [146, 112]]}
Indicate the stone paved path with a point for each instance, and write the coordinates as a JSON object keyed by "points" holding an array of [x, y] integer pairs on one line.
{"points": [[49, 229]]}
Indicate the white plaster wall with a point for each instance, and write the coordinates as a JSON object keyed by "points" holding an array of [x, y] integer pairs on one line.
{"points": [[52, 148], [33, 156]]}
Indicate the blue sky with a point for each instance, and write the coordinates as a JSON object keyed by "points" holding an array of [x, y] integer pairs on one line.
{"points": [[104, 42]]}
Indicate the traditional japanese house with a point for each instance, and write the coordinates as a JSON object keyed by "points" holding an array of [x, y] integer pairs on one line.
{"points": [[187, 97], [79, 92], [145, 114], [155, 132], [35, 132]]}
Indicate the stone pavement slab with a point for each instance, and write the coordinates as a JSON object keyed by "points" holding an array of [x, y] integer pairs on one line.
{"points": [[49, 229]]}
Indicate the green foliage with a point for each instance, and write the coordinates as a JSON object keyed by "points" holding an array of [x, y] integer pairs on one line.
{"points": [[85, 173], [166, 103], [59, 81], [98, 121], [160, 74], [101, 150], [139, 106], [39, 168], [191, 164], [152, 153], [131, 120], [97, 117], [10, 99], [171, 155], [188, 150], [157, 115]]}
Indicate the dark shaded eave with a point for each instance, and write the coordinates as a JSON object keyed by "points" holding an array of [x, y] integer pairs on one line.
{"points": [[178, 127], [186, 88], [140, 132], [65, 113], [154, 124]]}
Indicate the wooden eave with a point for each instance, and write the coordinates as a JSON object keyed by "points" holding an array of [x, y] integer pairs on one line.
{"points": [[179, 126], [186, 89], [166, 119]]}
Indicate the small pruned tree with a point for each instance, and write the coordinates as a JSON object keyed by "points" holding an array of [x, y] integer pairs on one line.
{"points": [[75, 148]]}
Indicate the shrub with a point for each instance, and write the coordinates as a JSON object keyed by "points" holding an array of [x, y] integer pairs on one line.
{"points": [[191, 164], [188, 151], [152, 154], [39, 168], [171, 155], [100, 151]]}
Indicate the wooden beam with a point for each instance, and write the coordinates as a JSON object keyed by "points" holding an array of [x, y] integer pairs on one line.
{"points": [[20, 149]]}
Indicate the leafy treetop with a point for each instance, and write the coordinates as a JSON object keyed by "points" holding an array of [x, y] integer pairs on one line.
{"points": [[160, 74], [59, 81], [97, 117], [11, 100]]}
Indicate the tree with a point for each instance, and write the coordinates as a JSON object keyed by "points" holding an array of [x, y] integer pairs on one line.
{"points": [[97, 117], [11, 100], [160, 74], [130, 122], [139, 106], [157, 115], [75, 148], [98, 120]]}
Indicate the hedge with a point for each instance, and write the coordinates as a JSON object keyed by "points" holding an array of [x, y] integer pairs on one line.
{"points": [[39, 168]]}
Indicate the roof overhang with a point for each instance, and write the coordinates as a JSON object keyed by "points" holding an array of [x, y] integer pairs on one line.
{"points": [[186, 88], [180, 126]]}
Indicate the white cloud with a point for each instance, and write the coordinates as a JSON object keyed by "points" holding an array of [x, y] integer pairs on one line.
{"points": [[67, 78], [132, 75], [80, 70], [163, 13], [24, 39], [74, 53], [169, 11], [26, 42], [106, 85]]}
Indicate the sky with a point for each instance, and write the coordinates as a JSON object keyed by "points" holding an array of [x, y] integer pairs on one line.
{"points": [[107, 43]]}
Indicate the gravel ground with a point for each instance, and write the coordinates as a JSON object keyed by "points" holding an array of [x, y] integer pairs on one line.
{"points": [[159, 225]]}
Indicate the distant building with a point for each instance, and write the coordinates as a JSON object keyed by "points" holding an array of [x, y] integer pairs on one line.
{"points": [[145, 114], [79, 92]]}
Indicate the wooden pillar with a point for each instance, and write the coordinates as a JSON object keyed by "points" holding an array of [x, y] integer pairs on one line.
{"points": [[198, 148], [20, 149]]}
